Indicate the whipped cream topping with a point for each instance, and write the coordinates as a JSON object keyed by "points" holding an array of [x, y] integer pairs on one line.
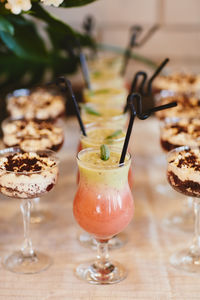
{"points": [[188, 106], [27, 175], [182, 132], [26, 162], [178, 82], [39, 104], [185, 164], [32, 135]]}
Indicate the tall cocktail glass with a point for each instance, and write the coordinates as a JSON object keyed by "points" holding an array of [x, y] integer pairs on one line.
{"points": [[103, 206], [96, 135], [27, 175]]}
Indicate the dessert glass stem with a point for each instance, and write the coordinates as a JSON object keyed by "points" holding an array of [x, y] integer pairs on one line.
{"points": [[195, 247], [35, 204], [102, 263], [27, 249]]}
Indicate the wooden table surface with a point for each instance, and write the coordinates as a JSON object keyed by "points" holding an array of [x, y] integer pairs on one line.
{"points": [[146, 255]]}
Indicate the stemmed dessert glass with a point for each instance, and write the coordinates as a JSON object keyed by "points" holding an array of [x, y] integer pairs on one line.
{"points": [[183, 219], [183, 173], [103, 207], [26, 177], [33, 141]]}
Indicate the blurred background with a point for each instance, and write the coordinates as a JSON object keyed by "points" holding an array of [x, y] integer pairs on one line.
{"points": [[178, 36]]}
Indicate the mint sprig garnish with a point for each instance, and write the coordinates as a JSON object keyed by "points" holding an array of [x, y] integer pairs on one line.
{"points": [[114, 134], [96, 74], [90, 110], [104, 152], [102, 91]]}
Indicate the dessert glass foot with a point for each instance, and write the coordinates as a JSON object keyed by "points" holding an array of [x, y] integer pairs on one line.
{"points": [[19, 263], [186, 260]]}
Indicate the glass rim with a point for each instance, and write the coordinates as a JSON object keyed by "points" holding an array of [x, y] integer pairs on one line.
{"points": [[182, 148], [94, 126], [97, 149], [13, 150], [38, 121], [123, 89], [169, 93], [26, 92]]}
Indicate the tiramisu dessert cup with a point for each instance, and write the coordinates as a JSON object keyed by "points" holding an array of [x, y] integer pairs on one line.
{"points": [[27, 175], [33, 135], [175, 133], [103, 206], [183, 173], [187, 105], [178, 82], [40, 104]]}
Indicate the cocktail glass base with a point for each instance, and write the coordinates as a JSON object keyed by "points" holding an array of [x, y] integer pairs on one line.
{"points": [[112, 273], [116, 242], [18, 263], [183, 221], [185, 260]]}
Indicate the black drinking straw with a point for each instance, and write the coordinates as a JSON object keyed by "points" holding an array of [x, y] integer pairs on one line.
{"points": [[135, 81], [84, 65], [137, 102], [133, 100], [88, 25], [141, 87], [135, 31], [67, 84], [129, 130], [147, 36], [85, 69], [156, 73]]}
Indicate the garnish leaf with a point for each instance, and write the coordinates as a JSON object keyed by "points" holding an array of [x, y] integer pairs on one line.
{"points": [[96, 74], [114, 134], [91, 111], [102, 91], [105, 152]]}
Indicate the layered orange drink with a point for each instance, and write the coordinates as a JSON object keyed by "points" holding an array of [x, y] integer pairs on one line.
{"points": [[103, 204]]}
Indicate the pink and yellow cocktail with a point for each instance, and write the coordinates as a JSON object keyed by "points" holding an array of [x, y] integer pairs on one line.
{"points": [[103, 206]]}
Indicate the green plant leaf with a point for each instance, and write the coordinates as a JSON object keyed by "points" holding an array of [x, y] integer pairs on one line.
{"points": [[25, 43], [74, 3], [6, 26], [61, 35], [3, 10]]}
